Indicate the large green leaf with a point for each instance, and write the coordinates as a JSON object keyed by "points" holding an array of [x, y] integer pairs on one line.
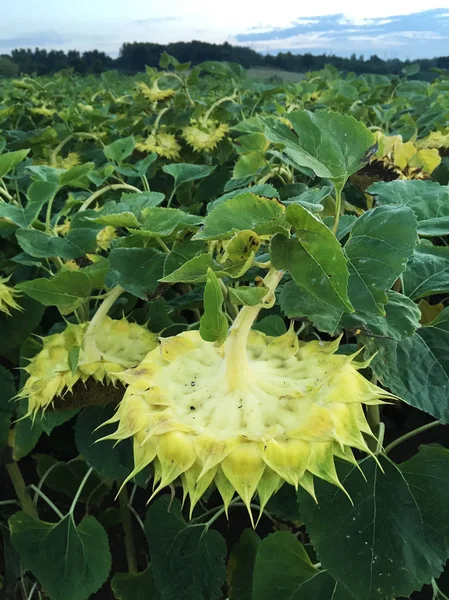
{"points": [[76, 243], [321, 587], [120, 149], [314, 258], [66, 290], [416, 368], [427, 474], [70, 561], [241, 566], [109, 460], [401, 318], [187, 562], [75, 176], [39, 193], [9, 160], [428, 200], [136, 269], [380, 243], [135, 586], [162, 222], [282, 565], [243, 212], [427, 271], [334, 146], [183, 172], [15, 328], [376, 545]]}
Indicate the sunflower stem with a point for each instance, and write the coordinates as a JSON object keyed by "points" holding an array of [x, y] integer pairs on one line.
{"points": [[125, 516], [101, 191], [105, 306], [214, 106], [21, 489], [337, 209], [236, 357]]}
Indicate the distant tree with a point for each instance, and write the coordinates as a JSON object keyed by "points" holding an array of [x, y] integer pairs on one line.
{"points": [[7, 67]]}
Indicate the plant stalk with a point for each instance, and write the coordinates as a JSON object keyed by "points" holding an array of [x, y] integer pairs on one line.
{"points": [[337, 209], [236, 357], [114, 186], [125, 516], [19, 485]]}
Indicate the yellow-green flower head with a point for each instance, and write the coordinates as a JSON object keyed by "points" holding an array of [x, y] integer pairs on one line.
{"points": [[207, 137], [59, 162], [163, 144], [110, 348], [154, 93], [7, 297], [247, 418], [105, 237], [43, 110]]}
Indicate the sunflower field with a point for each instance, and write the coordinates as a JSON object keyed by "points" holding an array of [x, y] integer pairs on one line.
{"points": [[224, 336]]}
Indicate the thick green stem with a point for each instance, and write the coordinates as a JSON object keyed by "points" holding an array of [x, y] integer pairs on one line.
{"points": [[21, 490], [158, 119], [214, 106], [101, 191], [337, 208], [6, 194], [127, 525], [411, 434], [236, 357], [90, 347]]}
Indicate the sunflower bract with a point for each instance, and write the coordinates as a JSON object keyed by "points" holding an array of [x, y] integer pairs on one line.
{"points": [[281, 414], [8, 297], [114, 346]]}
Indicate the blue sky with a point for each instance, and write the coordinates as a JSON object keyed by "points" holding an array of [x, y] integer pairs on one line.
{"points": [[398, 28]]}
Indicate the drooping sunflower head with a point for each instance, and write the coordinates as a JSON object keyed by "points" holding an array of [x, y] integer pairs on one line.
{"points": [[247, 418], [154, 93], [406, 159], [163, 144], [205, 137], [105, 351], [8, 296]]}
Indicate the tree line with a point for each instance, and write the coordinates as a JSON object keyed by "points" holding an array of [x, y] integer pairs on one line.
{"points": [[133, 57]]}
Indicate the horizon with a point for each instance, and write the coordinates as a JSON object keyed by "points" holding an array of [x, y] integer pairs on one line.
{"points": [[402, 32]]}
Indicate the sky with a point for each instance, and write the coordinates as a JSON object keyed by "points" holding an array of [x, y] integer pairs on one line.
{"points": [[391, 29]]}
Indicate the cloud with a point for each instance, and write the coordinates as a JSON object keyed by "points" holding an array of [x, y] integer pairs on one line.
{"points": [[418, 35], [155, 20], [40, 38]]}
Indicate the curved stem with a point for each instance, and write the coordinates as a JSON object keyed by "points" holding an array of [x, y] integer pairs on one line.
{"points": [[158, 119], [214, 106], [411, 434], [58, 149], [114, 186], [235, 354], [89, 345]]}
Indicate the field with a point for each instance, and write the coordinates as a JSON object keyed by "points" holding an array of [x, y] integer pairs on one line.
{"points": [[224, 317]]}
